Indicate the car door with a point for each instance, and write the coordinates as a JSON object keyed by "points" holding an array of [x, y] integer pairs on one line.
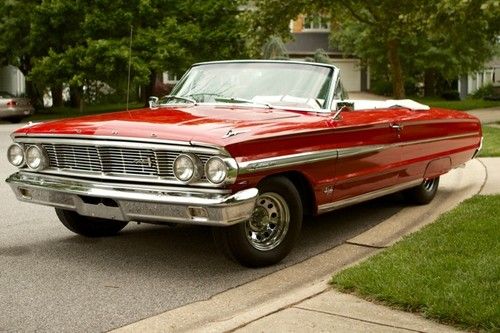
{"points": [[369, 157]]}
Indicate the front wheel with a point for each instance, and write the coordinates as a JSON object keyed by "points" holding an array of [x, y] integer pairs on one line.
{"points": [[89, 226], [423, 193], [272, 231]]}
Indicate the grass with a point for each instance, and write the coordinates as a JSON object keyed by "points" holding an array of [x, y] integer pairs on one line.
{"points": [[464, 105], [491, 142], [67, 112], [449, 271]]}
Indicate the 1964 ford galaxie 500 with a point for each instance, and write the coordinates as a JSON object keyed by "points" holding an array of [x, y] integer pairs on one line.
{"points": [[248, 147]]}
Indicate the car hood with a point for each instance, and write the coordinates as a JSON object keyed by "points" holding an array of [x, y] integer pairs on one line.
{"points": [[219, 125]]}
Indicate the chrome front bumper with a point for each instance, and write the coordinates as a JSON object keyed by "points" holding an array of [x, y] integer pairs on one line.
{"points": [[127, 202]]}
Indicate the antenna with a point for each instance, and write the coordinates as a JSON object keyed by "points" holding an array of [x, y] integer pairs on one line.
{"points": [[129, 63]]}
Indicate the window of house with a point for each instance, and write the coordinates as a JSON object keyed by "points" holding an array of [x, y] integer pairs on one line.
{"points": [[316, 22]]}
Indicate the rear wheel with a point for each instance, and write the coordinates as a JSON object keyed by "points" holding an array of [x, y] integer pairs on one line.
{"points": [[89, 226], [272, 231], [15, 120], [423, 193]]}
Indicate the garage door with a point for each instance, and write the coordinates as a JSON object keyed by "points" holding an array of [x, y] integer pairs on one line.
{"points": [[349, 73]]}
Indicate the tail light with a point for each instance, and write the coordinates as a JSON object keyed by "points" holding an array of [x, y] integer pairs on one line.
{"points": [[11, 103]]}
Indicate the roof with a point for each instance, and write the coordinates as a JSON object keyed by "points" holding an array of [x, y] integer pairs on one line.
{"points": [[306, 43]]}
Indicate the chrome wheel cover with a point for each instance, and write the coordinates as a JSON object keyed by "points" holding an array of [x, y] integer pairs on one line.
{"points": [[269, 223]]}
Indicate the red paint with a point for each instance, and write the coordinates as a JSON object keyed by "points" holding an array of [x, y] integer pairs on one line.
{"points": [[268, 133]]}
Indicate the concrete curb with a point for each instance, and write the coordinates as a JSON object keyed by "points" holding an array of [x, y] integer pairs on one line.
{"points": [[250, 303]]}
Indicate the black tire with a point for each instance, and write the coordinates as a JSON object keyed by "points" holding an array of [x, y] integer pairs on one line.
{"points": [[89, 226], [423, 193], [277, 220], [15, 120]]}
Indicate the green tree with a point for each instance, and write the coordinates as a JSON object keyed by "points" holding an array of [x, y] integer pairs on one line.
{"points": [[274, 49], [445, 36], [15, 47], [80, 42]]}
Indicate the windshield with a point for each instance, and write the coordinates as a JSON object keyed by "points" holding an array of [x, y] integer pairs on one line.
{"points": [[278, 84]]}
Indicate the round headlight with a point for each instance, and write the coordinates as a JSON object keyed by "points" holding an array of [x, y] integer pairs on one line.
{"points": [[35, 158], [15, 155], [187, 168], [216, 170]]}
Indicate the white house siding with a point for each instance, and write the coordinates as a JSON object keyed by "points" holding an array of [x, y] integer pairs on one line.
{"points": [[12, 80]]}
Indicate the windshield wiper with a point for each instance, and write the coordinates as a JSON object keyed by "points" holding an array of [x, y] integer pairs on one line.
{"points": [[240, 100], [182, 98]]}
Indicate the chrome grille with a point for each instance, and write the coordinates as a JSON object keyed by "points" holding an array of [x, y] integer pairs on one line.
{"points": [[114, 160]]}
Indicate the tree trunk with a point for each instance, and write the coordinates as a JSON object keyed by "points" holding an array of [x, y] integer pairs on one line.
{"points": [[56, 91], [429, 83], [36, 98], [398, 83], [75, 97], [149, 88]]}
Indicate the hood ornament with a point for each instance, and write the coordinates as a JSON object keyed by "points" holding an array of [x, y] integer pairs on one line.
{"points": [[231, 133]]}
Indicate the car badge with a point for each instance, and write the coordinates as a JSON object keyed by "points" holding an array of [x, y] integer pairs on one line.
{"points": [[231, 133], [144, 161]]}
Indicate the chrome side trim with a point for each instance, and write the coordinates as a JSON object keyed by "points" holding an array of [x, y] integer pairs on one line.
{"points": [[316, 156], [449, 137], [363, 150], [366, 196], [286, 161], [135, 203]]}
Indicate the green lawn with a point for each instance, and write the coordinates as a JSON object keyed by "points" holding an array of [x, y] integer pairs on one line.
{"points": [[466, 104], [449, 271], [491, 142], [66, 112]]}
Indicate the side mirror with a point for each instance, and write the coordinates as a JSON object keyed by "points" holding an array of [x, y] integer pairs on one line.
{"points": [[153, 102]]}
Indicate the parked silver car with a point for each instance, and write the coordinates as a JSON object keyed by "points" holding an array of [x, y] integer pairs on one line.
{"points": [[14, 108]]}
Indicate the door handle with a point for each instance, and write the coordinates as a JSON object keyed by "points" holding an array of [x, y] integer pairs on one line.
{"points": [[397, 127]]}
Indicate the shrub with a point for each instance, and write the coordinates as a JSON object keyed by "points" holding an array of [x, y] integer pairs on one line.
{"points": [[483, 92], [451, 95]]}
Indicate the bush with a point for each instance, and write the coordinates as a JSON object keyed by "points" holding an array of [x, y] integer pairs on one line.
{"points": [[381, 87], [483, 92], [451, 95]]}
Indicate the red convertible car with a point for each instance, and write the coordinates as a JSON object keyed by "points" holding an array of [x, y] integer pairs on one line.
{"points": [[248, 147]]}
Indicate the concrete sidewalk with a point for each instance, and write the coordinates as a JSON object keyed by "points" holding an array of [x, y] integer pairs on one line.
{"points": [[299, 298], [487, 116]]}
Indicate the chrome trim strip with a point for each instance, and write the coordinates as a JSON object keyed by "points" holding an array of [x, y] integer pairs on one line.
{"points": [[138, 203], [17, 136], [286, 161], [366, 196], [266, 61], [363, 150], [121, 186], [449, 137], [316, 156], [120, 144]]}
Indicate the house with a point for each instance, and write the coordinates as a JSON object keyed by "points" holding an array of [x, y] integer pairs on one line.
{"points": [[490, 74], [311, 33], [12, 80]]}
